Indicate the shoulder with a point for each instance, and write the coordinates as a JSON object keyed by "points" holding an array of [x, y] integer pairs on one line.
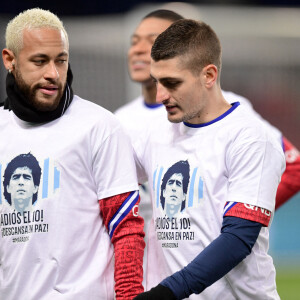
{"points": [[4, 115], [91, 119], [87, 111], [137, 103], [232, 97], [3, 111], [241, 120], [160, 131], [248, 129], [253, 120]]}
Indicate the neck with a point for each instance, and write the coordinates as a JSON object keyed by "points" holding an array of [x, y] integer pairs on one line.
{"points": [[214, 105], [215, 108], [149, 93]]}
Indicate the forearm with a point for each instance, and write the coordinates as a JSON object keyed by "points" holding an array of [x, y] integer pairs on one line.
{"points": [[126, 230], [216, 260], [290, 180], [129, 251]]}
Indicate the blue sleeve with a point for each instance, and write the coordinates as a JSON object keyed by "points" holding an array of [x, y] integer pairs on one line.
{"points": [[217, 259]]}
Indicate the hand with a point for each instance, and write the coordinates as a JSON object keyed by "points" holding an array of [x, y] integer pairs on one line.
{"points": [[159, 292]]}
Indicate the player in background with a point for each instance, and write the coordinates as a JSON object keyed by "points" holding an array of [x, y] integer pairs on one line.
{"points": [[138, 114], [216, 248], [82, 238], [144, 110]]}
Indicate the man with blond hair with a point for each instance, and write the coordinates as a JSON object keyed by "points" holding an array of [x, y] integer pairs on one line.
{"points": [[83, 238]]}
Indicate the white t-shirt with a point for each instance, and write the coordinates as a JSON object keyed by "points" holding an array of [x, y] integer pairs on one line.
{"points": [[60, 248], [136, 116], [232, 97], [231, 159]]}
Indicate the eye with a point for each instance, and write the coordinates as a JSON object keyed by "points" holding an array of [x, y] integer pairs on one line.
{"points": [[27, 177], [152, 40], [133, 41], [62, 61], [154, 80], [170, 84], [170, 182], [178, 183], [39, 62]]}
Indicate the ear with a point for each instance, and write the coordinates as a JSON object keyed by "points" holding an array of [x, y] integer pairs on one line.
{"points": [[8, 189], [210, 75], [36, 187], [8, 59]]}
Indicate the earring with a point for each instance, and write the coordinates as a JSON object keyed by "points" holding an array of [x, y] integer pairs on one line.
{"points": [[9, 71]]}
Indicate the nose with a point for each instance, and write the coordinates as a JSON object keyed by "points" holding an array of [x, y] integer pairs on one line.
{"points": [[51, 71], [161, 93], [174, 186], [141, 46], [21, 180]]}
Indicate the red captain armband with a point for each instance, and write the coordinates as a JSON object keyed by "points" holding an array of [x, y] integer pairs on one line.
{"points": [[247, 212]]}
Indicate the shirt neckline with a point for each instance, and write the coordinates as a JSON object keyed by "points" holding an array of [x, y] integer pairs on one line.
{"points": [[226, 113]]}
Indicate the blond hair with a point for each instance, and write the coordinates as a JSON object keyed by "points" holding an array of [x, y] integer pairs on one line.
{"points": [[34, 18]]}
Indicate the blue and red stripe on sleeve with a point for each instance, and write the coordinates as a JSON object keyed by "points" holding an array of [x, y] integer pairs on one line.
{"points": [[122, 212], [247, 212]]}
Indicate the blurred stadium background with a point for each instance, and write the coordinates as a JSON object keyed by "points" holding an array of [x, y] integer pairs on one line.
{"points": [[261, 61]]}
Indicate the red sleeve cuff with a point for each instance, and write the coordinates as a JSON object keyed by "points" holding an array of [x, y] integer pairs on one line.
{"points": [[247, 212]]}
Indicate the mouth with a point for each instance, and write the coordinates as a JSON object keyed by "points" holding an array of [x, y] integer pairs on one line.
{"points": [[171, 108], [49, 90], [139, 64], [21, 192]]}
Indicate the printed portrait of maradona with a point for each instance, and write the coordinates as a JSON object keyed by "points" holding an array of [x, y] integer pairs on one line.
{"points": [[174, 188], [21, 182]]}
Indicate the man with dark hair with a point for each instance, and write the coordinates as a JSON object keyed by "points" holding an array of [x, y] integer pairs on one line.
{"points": [[136, 115], [174, 188], [219, 249], [21, 181], [139, 113], [142, 111]]}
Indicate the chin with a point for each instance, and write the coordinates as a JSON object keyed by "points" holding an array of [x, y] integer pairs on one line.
{"points": [[45, 105], [174, 119], [140, 75], [139, 78]]}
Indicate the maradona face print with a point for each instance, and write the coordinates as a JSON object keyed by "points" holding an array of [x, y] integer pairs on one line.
{"points": [[21, 182], [27, 182], [174, 188]]}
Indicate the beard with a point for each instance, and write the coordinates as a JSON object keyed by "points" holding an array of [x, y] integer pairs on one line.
{"points": [[30, 94]]}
